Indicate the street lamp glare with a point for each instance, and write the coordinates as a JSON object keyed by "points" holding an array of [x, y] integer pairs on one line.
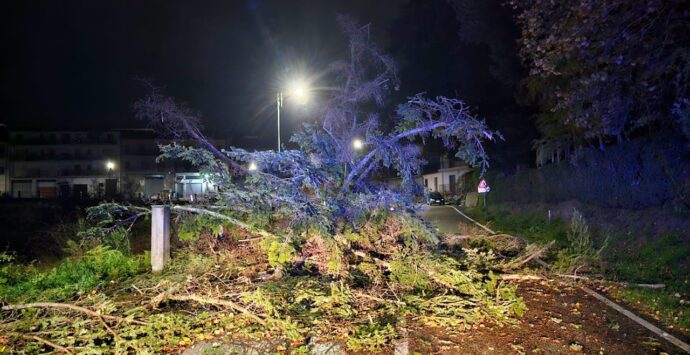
{"points": [[357, 144], [252, 166], [299, 91], [110, 165]]}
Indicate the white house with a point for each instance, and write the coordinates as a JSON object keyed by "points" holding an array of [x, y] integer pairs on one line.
{"points": [[445, 180]]}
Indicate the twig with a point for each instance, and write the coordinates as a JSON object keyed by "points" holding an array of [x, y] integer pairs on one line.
{"points": [[519, 277], [234, 221], [249, 240], [14, 307], [46, 342], [216, 301], [137, 289]]}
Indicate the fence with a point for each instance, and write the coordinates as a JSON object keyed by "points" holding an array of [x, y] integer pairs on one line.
{"points": [[636, 174]]}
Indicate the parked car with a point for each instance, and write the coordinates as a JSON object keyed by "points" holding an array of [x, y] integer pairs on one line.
{"points": [[435, 198]]}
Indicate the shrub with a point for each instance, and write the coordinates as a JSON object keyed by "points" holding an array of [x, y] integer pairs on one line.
{"points": [[580, 252]]}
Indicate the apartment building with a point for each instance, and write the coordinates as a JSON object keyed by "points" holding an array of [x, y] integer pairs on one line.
{"points": [[63, 163], [90, 164]]}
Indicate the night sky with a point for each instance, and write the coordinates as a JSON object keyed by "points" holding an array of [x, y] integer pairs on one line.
{"points": [[71, 64]]}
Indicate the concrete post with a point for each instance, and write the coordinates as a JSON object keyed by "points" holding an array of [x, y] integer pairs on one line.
{"points": [[160, 237]]}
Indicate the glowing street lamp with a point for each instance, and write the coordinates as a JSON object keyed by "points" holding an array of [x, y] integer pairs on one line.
{"points": [[297, 90], [357, 144], [252, 166], [110, 165]]}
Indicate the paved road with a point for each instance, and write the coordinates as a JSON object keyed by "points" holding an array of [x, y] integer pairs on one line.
{"points": [[445, 218]]}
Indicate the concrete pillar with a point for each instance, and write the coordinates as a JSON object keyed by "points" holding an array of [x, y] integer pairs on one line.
{"points": [[160, 237]]}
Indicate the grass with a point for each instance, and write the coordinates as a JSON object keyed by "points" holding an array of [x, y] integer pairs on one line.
{"points": [[664, 304], [659, 259], [533, 226], [22, 283]]}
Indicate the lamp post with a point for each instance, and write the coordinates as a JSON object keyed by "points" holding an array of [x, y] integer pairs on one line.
{"points": [[297, 90], [110, 166], [357, 145]]}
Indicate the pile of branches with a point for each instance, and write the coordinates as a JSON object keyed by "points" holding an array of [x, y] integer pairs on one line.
{"points": [[363, 290]]}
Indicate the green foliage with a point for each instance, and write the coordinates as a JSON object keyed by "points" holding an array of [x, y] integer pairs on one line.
{"points": [[192, 227], [371, 337], [10, 273], [580, 252], [280, 254], [664, 303], [70, 277], [116, 238], [658, 260]]}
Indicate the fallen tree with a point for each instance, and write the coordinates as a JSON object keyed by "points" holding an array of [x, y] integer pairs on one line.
{"points": [[314, 241]]}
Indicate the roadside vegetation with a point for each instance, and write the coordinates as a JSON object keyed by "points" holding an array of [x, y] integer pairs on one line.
{"points": [[661, 259], [221, 286]]}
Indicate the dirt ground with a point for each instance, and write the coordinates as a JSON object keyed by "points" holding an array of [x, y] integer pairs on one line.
{"points": [[562, 319]]}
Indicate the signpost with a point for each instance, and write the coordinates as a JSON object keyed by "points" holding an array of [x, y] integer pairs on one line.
{"points": [[483, 188]]}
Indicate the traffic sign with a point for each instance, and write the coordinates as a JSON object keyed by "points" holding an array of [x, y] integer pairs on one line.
{"points": [[483, 186]]}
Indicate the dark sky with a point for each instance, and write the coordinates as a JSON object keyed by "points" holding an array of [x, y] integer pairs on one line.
{"points": [[71, 64]]}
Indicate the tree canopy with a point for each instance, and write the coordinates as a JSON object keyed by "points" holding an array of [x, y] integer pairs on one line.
{"points": [[601, 71]]}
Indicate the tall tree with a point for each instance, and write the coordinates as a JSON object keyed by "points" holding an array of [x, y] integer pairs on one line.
{"points": [[602, 70]]}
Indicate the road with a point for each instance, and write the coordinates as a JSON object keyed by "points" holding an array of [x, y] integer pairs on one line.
{"points": [[445, 218]]}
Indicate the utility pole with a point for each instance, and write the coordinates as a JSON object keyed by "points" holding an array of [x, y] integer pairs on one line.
{"points": [[279, 104]]}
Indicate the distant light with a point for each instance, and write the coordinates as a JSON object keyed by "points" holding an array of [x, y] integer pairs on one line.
{"points": [[252, 166], [110, 165], [357, 144]]}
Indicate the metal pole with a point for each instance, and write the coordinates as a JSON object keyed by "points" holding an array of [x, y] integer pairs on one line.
{"points": [[279, 103]]}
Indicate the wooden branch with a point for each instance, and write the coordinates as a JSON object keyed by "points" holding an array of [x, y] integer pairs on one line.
{"points": [[216, 301], [14, 307], [41, 340], [536, 254], [519, 277], [234, 221]]}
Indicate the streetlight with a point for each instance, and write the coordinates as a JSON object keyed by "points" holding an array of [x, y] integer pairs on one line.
{"points": [[110, 165], [357, 144], [252, 166], [297, 90]]}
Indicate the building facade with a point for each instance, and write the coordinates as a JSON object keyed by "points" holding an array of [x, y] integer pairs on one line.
{"points": [[81, 164], [445, 180], [63, 163]]}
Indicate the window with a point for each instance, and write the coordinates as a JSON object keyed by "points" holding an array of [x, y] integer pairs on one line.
{"points": [[426, 182]]}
